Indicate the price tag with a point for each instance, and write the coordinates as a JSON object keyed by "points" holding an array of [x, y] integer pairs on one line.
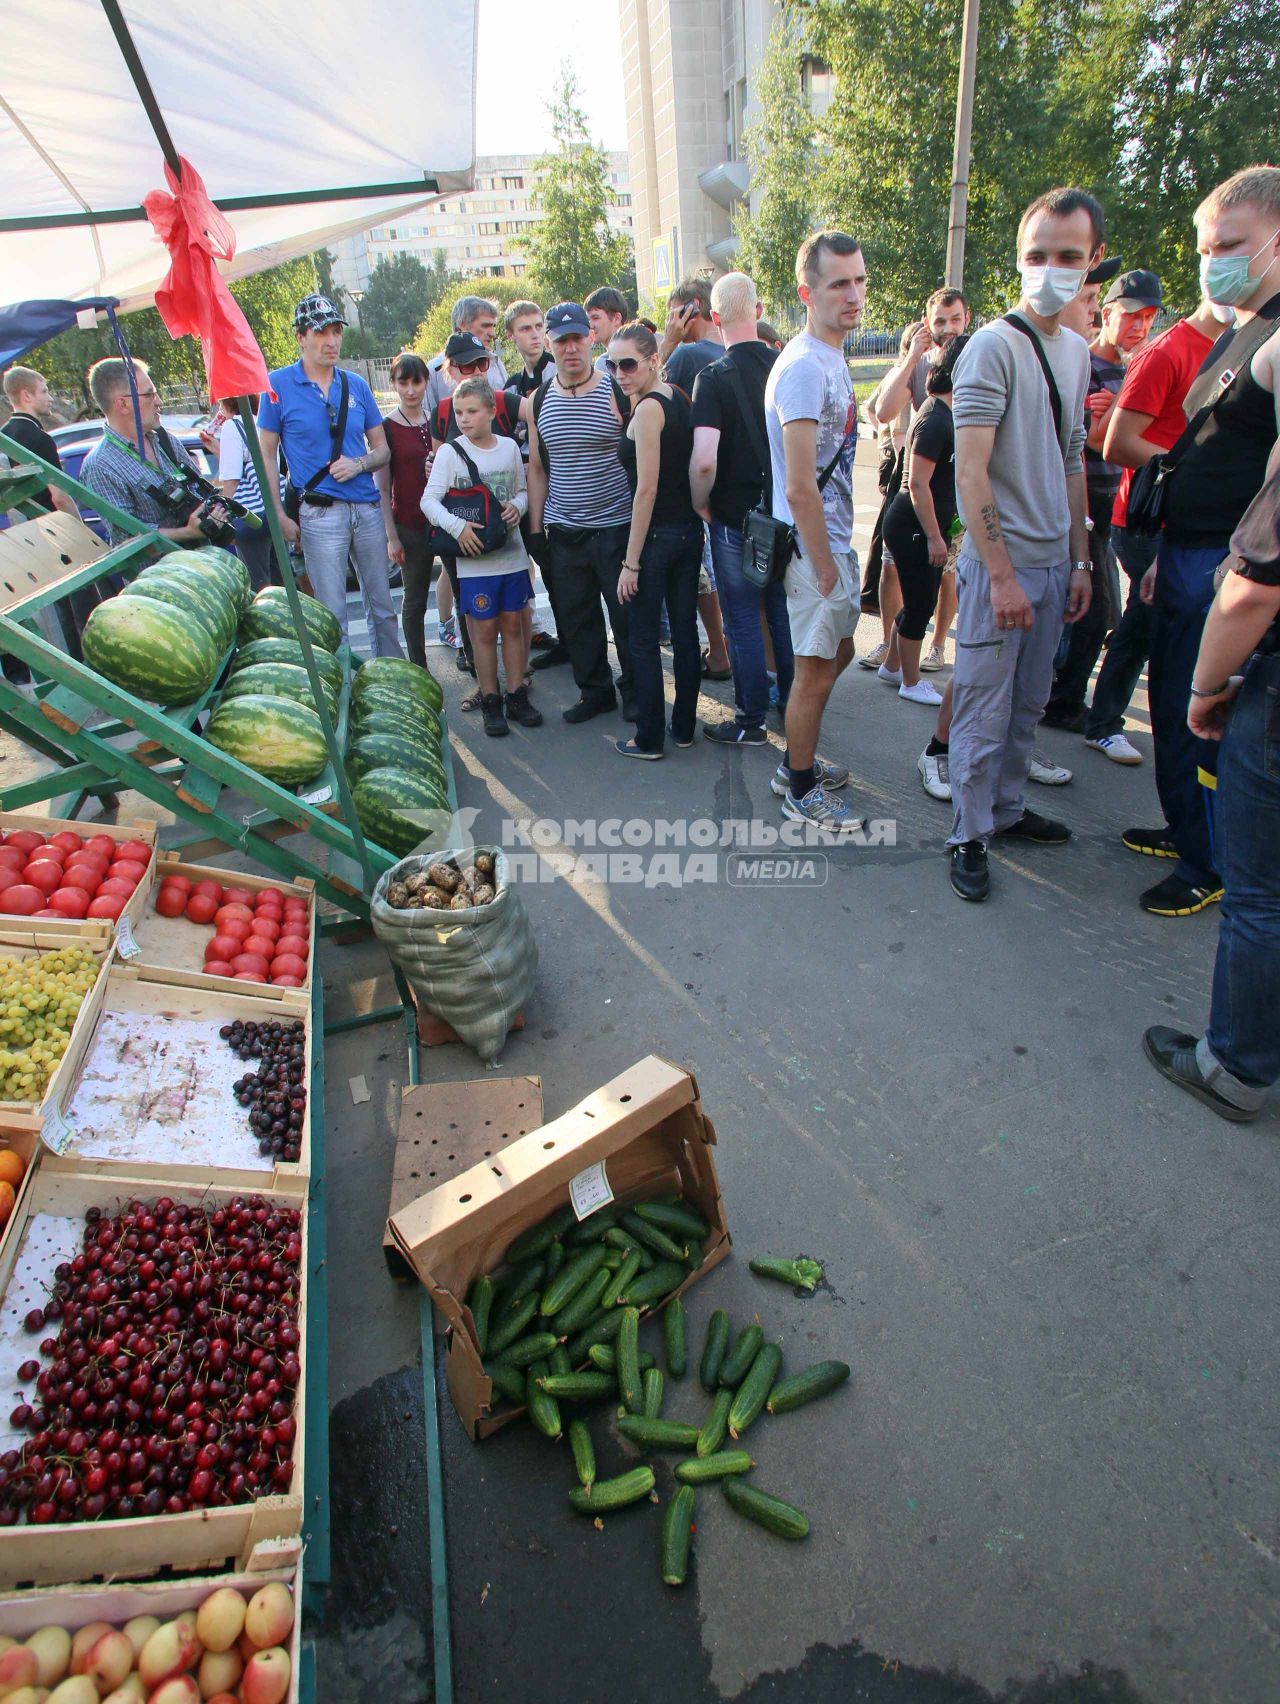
{"points": [[56, 1133], [125, 944], [590, 1191], [321, 796]]}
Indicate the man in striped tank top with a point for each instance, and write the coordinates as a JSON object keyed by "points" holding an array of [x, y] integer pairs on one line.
{"points": [[580, 511]]}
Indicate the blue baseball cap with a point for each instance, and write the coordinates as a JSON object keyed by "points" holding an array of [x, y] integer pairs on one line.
{"points": [[568, 319]]}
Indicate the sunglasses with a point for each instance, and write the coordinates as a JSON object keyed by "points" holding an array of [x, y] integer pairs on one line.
{"points": [[628, 364], [474, 366]]}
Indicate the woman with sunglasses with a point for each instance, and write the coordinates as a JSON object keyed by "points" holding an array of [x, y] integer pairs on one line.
{"points": [[664, 550], [400, 487]]}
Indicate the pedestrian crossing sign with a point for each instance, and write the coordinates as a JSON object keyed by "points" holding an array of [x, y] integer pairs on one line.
{"points": [[663, 272]]}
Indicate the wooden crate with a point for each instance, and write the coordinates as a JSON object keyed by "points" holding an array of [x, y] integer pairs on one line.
{"points": [[133, 991], [73, 1607], [205, 1541], [176, 946], [98, 931], [31, 1115]]}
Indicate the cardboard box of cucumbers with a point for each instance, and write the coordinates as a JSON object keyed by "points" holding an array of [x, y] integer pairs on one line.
{"points": [[559, 1326]]}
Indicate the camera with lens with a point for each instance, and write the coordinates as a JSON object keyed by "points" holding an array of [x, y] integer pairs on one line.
{"points": [[186, 489]]}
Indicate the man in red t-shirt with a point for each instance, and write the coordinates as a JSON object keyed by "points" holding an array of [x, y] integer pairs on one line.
{"points": [[1147, 418]]}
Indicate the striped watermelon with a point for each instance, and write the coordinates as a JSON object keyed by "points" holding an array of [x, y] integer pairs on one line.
{"points": [[396, 751], [151, 649], [187, 590], [270, 616], [395, 703], [281, 680], [288, 651], [222, 567], [280, 739], [400, 811], [406, 723], [418, 683]]}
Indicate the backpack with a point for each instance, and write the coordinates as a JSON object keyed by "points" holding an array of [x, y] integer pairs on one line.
{"points": [[448, 431], [540, 396], [474, 503]]}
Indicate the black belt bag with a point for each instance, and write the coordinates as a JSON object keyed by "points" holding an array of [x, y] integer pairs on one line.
{"points": [[295, 496]]}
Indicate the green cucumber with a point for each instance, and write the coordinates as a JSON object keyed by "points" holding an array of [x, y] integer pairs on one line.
{"points": [[615, 1493], [657, 1434], [584, 1453], [628, 1352], [800, 1388], [604, 1357], [570, 1279], [716, 1424], [653, 1238], [754, 1390], [653, 1286], [613, 1259], [480, 1300], [679, 1221], [673, 1337], [805, 1274], [558, 1361], [651, 1384], [508, 1381], [576, 1313], [737, 1363], [618, 1238], [544, 1410], [714, 1348], [509, 1327], [677, 1536], [592, 1228], [525, 1350], [555, 1259], [541, 1236], [717, 1466], [526, 1280], [579, 1387], [602, 1330], [621, 1278], [766, 1511]]}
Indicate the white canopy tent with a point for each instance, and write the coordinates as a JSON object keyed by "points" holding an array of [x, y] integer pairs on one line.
{"points": [[300, 115]]}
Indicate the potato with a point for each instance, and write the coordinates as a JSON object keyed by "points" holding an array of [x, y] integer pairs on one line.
{"points": [[444, 876], [398, 895], [484, 894], [486, 863], [434, 900]]}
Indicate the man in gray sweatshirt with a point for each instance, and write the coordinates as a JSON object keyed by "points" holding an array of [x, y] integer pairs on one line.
{"points": [[1018, 406]]}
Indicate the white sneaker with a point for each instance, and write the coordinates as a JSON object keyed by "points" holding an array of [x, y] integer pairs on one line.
{"points": [[923, 692], [873, 659], [892, 676], [935, 658], [1116, 747], [935, 775], [1046, 773]]}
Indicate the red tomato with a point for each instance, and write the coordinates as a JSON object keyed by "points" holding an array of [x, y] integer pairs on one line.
{"points": [[22, 899], [293, 944], [210, 887], [227, 911], [260, 945], [67, 841], [201, 907], [182, 883], [106, 905], [288, 964], [44, 874], [88, 861], [237, 896], [272, 911], [266, 928], [13, 855], [269, 894], [51, 854], [69, 902], [84, 877], [128, 868], [171, 902], [249, 976], [117, 885], [137, 850], [218, 967], [48, 912], [25, 840], [297, 922], [285, 982], [234, 926], [250, 963], [222, 947], [102, 844]]}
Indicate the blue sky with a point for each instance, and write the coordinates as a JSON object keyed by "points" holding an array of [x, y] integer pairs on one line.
{"points": [[582, 31]]}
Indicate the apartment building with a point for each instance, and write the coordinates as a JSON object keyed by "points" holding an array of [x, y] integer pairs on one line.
{"points": [[479, 230]]}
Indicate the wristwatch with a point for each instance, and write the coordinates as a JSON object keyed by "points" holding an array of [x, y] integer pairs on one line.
{"points": [[1209, 691], [1082, 567]]}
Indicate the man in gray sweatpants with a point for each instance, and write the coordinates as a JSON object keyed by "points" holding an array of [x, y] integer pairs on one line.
{"points": [[1018, 405]]}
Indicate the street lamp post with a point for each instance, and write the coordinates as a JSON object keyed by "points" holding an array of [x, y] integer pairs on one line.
{"points": [[958, 219]]}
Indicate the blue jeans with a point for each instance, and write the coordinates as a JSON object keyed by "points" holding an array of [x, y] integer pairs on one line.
{"points": [[1130, 641], [351, 532], [1184, 591], [1244, 1034], [740, 605], [669, 565]]}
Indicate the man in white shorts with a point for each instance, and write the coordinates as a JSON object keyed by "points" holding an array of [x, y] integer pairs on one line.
{"points": [[812, 421]]}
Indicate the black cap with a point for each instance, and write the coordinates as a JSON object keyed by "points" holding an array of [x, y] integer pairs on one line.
{"points": [[567, 319], [1104, 271], [463, 348], [313, 313], [1136, 289]]}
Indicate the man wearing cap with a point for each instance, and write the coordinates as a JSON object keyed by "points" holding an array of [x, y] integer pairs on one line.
{"points": [[478, 316], [1128, 312], [333, 438], [580, 510], [465, 357]]}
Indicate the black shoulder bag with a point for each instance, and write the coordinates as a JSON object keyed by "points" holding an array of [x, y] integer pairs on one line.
{"points": [[293, 495], [767, 543], [1149, 486], [1055, 400]]}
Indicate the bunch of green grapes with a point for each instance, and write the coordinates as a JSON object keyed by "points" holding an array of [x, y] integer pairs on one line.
{"points": [[39, 1000]]}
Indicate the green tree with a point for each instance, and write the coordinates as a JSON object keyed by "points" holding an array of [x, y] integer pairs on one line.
{"points": [[268, 300], [571, 248], [324, 261], [780, 151], [401, 291], [432, 335]]}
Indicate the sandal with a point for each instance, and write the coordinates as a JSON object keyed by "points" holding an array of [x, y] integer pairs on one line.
{"points": [[473, 700]]}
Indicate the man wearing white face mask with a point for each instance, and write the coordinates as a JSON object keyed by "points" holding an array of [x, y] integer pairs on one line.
{"points": [[1018, 406], [1217, 471]]}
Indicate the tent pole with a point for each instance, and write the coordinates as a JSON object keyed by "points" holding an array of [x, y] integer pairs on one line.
{"points": [[141, 82], [268, 485]]}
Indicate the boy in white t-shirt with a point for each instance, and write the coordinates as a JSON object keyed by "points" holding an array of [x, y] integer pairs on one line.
{"points": [[493, 586]]}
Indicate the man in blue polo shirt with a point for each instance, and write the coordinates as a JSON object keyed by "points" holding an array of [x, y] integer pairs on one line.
{"points": [[339, 516]]}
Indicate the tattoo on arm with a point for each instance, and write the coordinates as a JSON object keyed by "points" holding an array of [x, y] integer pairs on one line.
{"points": [[991, 523]]}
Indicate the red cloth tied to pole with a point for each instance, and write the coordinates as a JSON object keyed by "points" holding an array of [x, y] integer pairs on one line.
{"points": [[194, 299]]}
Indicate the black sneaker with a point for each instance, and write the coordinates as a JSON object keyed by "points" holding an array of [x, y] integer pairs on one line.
{"points": [[542, 642], [969, 874], [685, 743], [495, 723], [519, 709], [1174, 1056], [586, 708], [729, 733], [550, 659], [708, 673], [1042, 830], [1175, 898], [1151, 842], [1064, 716], [463, 666]]}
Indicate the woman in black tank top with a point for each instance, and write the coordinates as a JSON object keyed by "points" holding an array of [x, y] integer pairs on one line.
{"points": [[664, 550]]}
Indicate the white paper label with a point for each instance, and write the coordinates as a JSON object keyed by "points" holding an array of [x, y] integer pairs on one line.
{"points": [[125, 943], [590, 1191], [321, 796], [56, 1133]]}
